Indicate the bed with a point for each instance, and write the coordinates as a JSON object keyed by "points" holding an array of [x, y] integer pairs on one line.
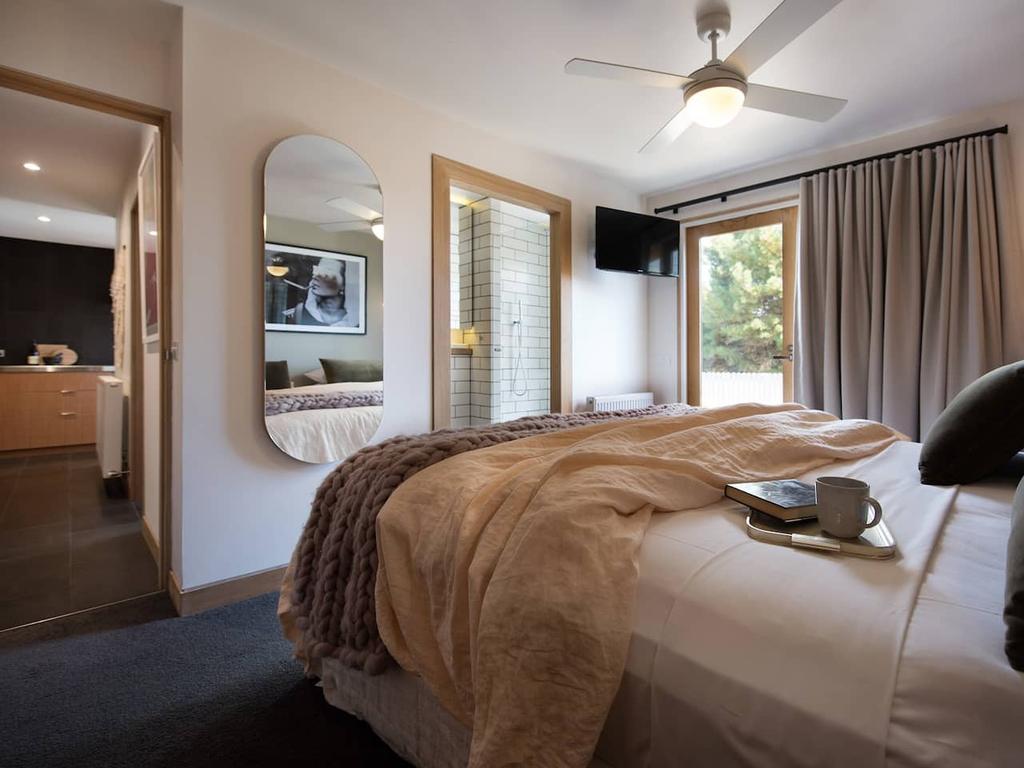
{"points": [[324, 435], [747, 654]]}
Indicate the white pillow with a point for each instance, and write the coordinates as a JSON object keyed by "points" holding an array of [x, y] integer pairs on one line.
{"points": [[317, 375]]}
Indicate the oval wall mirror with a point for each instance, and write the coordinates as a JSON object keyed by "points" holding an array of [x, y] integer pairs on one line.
{"points": [[322, 271]]}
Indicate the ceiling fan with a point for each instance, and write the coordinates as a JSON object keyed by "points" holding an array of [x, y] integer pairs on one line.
{"points": [[366, 218], [714, 94]]}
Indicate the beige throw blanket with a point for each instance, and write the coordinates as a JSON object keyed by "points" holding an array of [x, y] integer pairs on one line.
{"points": [[327, 606], [506, 575]]}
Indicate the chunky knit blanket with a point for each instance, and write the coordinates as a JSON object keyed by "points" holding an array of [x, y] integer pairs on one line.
{"points": [[334, 568], [286, 401]]}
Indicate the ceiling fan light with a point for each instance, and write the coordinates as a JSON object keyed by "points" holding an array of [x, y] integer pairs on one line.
{"points": [[714, 106], [377, 227]]}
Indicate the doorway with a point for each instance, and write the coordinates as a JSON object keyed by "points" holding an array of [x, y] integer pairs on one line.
{"points": [[740, 280], [502, 264], [501, 310], [83, 455]]}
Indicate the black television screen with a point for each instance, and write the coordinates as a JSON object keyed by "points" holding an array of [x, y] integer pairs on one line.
{"points": [[636, 242]]}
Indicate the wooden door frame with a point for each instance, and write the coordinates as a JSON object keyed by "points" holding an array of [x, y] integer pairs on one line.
{"points": [[136, 411], [446, 173], [26, 82], [689, 292]]}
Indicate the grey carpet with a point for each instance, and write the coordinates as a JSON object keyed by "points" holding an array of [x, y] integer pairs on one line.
{"points": [[134, 686]]}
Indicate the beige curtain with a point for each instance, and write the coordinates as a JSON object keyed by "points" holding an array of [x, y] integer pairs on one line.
{"points": [[118, 305], [910, 282]]}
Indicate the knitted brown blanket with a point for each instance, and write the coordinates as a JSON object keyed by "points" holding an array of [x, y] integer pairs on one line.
{"points": [[334, 569], [288, 400]]}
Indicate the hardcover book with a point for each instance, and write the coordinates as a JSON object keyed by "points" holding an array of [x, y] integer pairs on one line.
{"points": [[788, 500]]}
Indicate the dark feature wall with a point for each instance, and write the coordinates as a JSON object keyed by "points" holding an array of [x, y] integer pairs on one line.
{"points": [[55, 294]]}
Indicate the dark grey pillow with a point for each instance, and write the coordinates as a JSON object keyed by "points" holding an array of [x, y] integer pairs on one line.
{"points": [[351, 370], [1013, 612], [277, 374], [979, 432]]}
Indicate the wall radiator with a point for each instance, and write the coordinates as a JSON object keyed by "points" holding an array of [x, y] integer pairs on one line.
{"points": [[620, 402], [110, 426]]}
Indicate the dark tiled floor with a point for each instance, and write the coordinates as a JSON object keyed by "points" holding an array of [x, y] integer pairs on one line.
{"points": [[64, 546]]}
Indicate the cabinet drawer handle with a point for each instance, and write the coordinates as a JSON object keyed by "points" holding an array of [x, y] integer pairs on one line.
{"points": [[66, 391], [68, 413]]}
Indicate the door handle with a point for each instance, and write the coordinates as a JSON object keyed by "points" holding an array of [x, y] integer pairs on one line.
{"points": [[787, 356]]}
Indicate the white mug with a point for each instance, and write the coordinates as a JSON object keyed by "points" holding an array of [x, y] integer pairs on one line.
{"points": [[843, 505]]}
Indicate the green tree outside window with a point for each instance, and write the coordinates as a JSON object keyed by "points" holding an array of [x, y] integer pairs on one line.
{"points": [[741, 300]]}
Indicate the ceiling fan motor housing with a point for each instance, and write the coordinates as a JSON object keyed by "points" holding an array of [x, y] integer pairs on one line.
{"points": [[714, 76], [713, 21]]}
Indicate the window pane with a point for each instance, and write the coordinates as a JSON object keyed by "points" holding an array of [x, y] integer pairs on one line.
{"points": [[741, 316]]}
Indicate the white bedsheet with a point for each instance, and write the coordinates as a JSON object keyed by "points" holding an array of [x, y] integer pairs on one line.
{"points": [[327, 434], [738, 658]]}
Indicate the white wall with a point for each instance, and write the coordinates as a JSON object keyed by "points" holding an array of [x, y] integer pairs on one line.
{"points": [[664, 341], [123, 47], [243, 502]]}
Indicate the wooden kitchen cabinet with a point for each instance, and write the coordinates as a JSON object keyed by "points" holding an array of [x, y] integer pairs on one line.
{"points": [[42, 410]]}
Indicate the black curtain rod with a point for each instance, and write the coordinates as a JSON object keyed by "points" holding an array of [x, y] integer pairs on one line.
{"points": [[723, 196]]}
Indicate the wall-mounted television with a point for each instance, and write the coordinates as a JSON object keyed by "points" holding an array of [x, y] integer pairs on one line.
{"points": [[636, 242]]}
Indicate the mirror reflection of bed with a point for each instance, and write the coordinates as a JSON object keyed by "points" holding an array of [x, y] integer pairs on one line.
{"points": [[322, 300]]}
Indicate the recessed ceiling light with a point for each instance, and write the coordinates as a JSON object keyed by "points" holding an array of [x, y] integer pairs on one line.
{"points": [[152, 233], [30, 166], [43, 219]]}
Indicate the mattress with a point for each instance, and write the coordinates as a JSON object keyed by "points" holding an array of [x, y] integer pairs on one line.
{"points": [[711, 681], [327, 434]]}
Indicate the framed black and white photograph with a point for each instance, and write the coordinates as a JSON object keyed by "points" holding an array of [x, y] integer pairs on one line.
{"points": [[149, 243], [313, 291]]}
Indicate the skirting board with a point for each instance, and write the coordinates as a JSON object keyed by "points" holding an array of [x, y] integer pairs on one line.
{"points": [[199, 599]]}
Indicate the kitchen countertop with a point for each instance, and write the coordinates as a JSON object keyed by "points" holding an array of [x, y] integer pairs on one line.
{"points": [[56, 368]]}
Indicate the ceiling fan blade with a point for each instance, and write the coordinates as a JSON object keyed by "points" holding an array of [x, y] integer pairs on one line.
{"points": [[783, 26], [354, 207], [669, 132], [636, 75], [809, 106], [344, 226]]}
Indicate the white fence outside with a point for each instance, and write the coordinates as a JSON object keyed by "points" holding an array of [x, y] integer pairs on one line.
{"points": [[720, 388]]}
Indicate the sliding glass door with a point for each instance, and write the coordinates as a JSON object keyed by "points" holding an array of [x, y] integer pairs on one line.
{"points": [[739, 309]]}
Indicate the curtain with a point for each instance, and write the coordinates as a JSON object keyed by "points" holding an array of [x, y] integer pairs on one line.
{"points": [[910, 282], [118, 289]]}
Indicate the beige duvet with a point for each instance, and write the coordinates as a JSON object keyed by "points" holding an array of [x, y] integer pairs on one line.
{"points": [[506, 575]]}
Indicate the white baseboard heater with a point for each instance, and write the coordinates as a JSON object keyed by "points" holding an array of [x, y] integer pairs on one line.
{"points": [[110, 427], [620, 402]]}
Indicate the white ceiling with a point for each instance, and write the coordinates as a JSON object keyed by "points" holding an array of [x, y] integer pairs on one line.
{"points": [[900, 63], [18, 219], [304, 172], [87, 158]]}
